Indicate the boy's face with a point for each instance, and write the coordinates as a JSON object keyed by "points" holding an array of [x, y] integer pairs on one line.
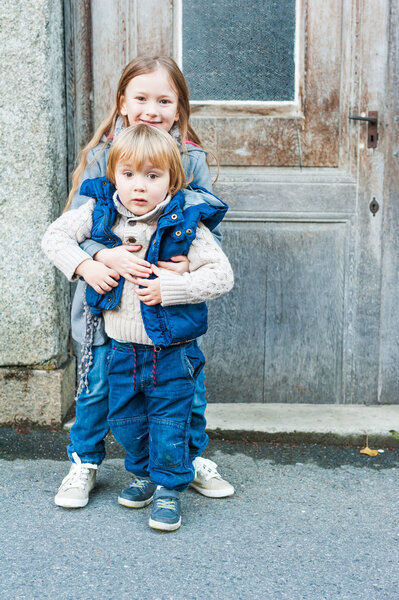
{"points": [[140, 191]]}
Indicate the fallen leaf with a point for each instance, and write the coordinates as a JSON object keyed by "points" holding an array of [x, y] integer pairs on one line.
{"points": [[368, 450]]}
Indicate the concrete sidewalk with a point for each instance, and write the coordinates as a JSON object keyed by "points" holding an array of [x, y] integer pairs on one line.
{"points": [[303, 423], [310, 423]]}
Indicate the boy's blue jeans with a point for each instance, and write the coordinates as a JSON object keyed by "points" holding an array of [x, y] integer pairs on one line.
{"points": [[150, 400], [91, 425]]}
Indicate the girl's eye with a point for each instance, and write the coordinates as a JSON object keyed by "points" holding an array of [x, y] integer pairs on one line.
{"points": [[165, 101], [140, 98]]}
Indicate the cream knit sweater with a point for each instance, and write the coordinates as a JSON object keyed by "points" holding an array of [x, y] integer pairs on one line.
{"points": [[210, 273]]}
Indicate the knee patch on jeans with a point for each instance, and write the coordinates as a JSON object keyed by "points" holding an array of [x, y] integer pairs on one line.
{"points": [[168, 442], [132, 434]]}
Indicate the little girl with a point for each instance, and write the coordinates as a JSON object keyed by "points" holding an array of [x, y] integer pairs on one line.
{"points": [[154, 358], [151, 91]]}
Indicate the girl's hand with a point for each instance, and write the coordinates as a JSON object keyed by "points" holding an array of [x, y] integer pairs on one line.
{"points": [[180, 264], [98, 276], [151, 292], [124, 262]]}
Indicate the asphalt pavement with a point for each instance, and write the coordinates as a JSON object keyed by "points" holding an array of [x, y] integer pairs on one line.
{"points": [[307, 522]]}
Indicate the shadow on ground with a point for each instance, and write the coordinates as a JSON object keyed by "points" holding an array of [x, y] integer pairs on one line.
{"points": [[29, 444]]}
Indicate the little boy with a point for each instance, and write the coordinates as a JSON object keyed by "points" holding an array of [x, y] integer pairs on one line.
{"points": [[154, 319]]}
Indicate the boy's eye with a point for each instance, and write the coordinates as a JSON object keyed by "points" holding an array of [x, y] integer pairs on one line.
{"points": [[152, 175], [128, 174]]}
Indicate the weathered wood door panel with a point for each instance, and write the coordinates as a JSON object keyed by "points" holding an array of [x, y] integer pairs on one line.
{"points": [[303, 337], [235, 342], [282, 325], [302, 323]]}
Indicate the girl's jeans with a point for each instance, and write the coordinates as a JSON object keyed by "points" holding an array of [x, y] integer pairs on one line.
{"points": [[150, 399], [91, 424]]}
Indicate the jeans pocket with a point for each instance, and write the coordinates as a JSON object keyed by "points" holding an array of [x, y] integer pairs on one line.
{"points": [[193, 360], [108, 360]]}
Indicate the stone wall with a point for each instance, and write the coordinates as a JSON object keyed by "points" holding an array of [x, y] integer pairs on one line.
{"points": [[36, 374]]}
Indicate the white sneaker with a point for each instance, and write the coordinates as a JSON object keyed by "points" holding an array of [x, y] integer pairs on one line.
{"points": [[208, 481], [77, 485]]}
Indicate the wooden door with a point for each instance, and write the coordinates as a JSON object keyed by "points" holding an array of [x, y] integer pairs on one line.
{"points": [[302, 323]]}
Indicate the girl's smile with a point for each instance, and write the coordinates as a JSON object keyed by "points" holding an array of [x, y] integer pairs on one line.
{"points": [[141, 190], [151, 99]]}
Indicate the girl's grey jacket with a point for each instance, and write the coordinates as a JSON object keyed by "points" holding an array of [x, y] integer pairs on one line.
{"points": [[196, 170]]}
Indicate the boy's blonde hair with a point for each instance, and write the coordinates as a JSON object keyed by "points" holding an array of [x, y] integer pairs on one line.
{"points": [[142, 144], [139, 66]]}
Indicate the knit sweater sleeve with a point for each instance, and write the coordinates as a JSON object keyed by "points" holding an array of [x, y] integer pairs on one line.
{"points": [[61, 241], [210, 273]]}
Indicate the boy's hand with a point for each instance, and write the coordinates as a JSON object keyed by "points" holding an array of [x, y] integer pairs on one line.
{"points": [[179, 265], [98, 276], [151, 292], [124, 262]]}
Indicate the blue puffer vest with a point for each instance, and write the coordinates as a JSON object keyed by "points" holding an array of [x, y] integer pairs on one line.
{"points": [[174, 234]]}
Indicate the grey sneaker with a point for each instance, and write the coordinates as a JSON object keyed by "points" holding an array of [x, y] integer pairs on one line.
{"points": [[166, 510], [208, 481], [138, 494], [77, 485]]}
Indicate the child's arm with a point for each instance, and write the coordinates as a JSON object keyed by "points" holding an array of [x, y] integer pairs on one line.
{"points": [[210, 276], [123, 260], [200, 175], [96, 166], [198, 168], [61, 244]]}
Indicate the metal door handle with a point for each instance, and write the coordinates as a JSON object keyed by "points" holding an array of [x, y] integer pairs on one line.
{"points": [[369, 119], [372, 129]]}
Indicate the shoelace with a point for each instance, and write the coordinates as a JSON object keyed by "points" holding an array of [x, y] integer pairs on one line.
{"points": [[168, 504], [207, 470], [139, 483], [77, 478]]}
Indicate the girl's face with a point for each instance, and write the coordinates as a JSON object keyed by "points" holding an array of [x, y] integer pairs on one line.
{"points": [[151, 99], [140, 191]]}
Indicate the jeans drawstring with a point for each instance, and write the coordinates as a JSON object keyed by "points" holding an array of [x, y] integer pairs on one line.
{"points": [[155, 351], [154, 364], [134, 367]]}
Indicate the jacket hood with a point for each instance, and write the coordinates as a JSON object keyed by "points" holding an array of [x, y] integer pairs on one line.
{"points": [[100, 187], [211, 208]]}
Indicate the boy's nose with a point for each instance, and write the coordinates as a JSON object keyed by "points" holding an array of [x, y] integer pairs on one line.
{"points": [[139, 184]]}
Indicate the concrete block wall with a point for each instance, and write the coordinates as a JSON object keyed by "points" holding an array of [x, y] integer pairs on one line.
{"points": [[36, 370]]}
